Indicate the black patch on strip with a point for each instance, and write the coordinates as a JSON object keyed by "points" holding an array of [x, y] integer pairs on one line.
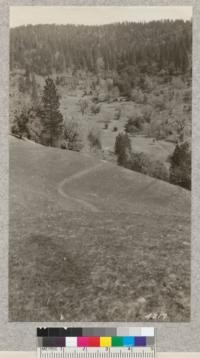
{"points": [[60, 332], [53, 341]]}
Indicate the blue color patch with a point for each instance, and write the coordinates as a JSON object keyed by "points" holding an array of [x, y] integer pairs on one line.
{"points": [[140, 341], [128, 341]]}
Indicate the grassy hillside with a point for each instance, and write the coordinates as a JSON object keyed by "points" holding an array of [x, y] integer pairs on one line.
{"points": [[96, 240]]}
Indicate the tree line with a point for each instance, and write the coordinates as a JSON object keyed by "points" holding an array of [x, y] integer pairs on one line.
{"points": [[121, 47], [180, 162]]}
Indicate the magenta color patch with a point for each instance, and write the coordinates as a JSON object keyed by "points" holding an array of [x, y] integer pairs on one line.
{"points": [[82, 341]]}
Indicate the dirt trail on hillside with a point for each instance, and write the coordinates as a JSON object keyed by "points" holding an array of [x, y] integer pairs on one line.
{"points": [[75, 176]]}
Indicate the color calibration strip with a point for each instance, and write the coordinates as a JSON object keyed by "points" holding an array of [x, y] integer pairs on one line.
{"points": [[96, 337]]}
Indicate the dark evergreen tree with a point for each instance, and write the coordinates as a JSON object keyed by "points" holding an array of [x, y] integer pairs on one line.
{"points": [[123, 149], [51, 117], [34, 93], [20, 124], [180, 169]]}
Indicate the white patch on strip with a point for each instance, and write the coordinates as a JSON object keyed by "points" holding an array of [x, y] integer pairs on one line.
{"points": [[148, 332], [70, 341]]}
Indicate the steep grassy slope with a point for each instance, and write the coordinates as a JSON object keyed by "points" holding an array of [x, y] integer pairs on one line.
{"points": [[93, 241]]}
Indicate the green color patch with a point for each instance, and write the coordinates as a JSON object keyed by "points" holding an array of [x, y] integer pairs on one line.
{"points": [[117, 342]]}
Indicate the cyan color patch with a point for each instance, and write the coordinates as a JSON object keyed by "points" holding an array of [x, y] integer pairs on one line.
{"points": [[128, 341]]}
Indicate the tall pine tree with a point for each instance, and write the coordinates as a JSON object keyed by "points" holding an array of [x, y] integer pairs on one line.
{"points": [[51, 117], [34, 94]]}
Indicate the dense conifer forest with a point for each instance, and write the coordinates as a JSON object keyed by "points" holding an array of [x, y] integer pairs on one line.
{"points": [[146, 47]]}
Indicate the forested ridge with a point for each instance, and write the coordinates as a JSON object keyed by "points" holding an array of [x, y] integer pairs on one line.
{"points": [[147, 47]]}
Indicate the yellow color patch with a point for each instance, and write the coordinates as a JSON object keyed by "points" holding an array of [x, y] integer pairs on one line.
{"points": [[105, 341]]}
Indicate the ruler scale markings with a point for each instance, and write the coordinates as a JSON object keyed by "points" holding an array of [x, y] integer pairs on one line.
{"points": [[65, 353]]}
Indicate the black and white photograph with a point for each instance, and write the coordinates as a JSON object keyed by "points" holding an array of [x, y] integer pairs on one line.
{"points": [[100, 131]]}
